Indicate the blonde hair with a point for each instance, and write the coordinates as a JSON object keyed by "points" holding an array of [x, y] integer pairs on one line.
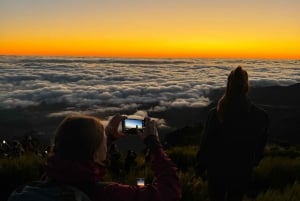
{"points": [[78, 137], [237, 86]]}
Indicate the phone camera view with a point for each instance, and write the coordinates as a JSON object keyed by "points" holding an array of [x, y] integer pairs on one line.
{"points": [[140, 182], [131, 126]]}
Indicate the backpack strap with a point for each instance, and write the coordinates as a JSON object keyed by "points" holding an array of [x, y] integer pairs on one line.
{"points": [[90, 189], [50, 191], [63, 192]]}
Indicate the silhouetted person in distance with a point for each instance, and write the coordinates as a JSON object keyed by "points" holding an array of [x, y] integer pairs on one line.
{"points": [[27, 144], [233, 141], [5, 148], [115, 163], [130, 160], [17, 149], [47, 151]]}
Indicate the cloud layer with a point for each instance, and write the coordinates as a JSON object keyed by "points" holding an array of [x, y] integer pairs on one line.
{"points": [[118, 84]]}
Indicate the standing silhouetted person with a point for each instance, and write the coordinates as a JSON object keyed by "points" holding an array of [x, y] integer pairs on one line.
{"points": [[233, 141], [115, 162], [130, 160]]}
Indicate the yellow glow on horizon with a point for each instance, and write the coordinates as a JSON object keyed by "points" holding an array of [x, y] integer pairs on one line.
{"points": [[153, 48], [139, 29]]}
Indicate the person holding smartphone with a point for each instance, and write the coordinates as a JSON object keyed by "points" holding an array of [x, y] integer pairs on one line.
{"points": [[79, 154]]}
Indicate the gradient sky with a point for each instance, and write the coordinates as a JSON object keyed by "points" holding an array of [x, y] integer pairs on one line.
{"points": [[151, 28]]}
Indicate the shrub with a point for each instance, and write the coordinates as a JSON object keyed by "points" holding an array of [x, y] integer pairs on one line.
{"points": [[18, 171], [193, 189], [290, 193], [277, 172], [184, 157]]}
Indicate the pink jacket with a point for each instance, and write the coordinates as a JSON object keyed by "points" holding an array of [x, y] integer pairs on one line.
{"points": [[165, 187]]}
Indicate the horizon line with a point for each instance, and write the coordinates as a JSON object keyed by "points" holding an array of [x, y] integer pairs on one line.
{"points": [[148, 57]]}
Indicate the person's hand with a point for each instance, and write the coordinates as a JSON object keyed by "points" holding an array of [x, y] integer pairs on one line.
{"points": [[112, 128], [150, 129]]}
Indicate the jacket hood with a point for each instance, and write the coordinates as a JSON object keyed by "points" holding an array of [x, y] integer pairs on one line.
{"points": [[73, 170]]}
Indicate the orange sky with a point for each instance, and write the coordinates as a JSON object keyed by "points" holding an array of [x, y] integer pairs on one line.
{"points": [[156, 28]]}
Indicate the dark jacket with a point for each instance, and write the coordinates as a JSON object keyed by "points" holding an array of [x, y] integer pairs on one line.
{"points": [[233, 147], [85, 175]]}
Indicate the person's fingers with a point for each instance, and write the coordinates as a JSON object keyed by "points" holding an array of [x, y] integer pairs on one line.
{"points": [[147, 120], [156, 130], [114, 122], [113, 125], [150, 128]]}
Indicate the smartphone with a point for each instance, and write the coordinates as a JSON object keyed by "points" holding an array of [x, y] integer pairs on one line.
{"points": [[131, 126]]}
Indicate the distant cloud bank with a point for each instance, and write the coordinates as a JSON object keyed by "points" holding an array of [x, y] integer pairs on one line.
{"points": [[120, 84]]}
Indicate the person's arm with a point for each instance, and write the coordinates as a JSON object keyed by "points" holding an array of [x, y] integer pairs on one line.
{"points": [[202, 154], [167, 181], [165, 186]]}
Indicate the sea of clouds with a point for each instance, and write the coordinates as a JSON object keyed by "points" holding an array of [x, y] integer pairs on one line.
{"points": [[106, 84]]}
